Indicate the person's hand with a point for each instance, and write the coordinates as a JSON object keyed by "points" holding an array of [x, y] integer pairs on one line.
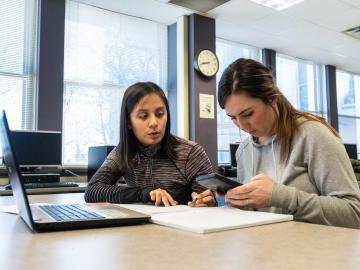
{"points": [[162, 196], [255, 194], [203, 199]]}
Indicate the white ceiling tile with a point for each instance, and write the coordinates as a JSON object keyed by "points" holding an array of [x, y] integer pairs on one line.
{"points": [[314, 10], [237, 33], [350, 45], [275, 23], [240, 11], [314, 35], [342, 20], [354, 3]]}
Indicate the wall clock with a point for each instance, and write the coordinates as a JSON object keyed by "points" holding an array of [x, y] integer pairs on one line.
{"points": [[206, 63]]}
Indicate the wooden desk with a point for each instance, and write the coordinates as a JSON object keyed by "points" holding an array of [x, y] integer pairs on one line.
{"points": [[288, 245]]}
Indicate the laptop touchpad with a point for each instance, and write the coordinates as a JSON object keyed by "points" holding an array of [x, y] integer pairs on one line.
{"points": [[110, 211]]}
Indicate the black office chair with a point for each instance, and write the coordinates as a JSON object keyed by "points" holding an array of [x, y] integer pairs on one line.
{"points": [[230, 170], [233, 149], [351, 150], [96, 157]]}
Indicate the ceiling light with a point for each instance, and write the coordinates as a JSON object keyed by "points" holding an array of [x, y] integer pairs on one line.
{"points": [[277, 4], [353, 32]]}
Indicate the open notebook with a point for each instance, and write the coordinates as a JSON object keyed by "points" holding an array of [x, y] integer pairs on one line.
{"points": [[206, 220]]}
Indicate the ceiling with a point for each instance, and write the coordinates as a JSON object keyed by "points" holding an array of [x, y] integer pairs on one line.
{"points": [[310, 30]]}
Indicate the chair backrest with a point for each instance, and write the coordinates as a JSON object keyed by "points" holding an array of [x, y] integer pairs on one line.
{"points": [[351, 149], [96, 157], [233, 148]]}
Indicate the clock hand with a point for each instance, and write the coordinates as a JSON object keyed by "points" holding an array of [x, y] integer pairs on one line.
{"points": [[205, 63]]}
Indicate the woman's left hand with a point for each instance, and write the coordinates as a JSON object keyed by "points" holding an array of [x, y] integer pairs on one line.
{"points": [[203, 199], [255, 194]]}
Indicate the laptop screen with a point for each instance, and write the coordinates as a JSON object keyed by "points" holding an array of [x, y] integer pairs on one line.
{"points": [[14, 171]]}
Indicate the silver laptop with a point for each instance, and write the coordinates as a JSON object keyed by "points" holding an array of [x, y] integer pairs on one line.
{"points": [[51, 217]]}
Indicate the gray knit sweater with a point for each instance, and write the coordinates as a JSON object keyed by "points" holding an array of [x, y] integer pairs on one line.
{"points": [[317, 184]]}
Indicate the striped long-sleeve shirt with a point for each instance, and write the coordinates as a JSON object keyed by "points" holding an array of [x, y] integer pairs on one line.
{"points": [[150, 171]]}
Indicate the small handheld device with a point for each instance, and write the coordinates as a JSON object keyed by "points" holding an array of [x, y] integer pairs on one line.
{"points": [[217, 182]]}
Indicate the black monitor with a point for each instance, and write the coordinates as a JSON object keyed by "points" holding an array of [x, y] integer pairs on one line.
{"points": [[233, 148], [351, 149], [37, 148]]}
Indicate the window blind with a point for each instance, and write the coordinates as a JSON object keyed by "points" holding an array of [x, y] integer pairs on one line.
{"points": [[105, 52], [17, 50]]}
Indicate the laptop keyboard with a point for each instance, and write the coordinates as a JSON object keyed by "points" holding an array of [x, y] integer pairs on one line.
{"points": [[70, 212]]}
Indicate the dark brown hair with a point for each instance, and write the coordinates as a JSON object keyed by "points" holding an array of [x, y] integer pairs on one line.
{"points": [[252, 78], [129, 144]]}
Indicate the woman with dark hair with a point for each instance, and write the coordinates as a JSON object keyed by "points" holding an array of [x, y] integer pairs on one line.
{"points": [[155, 165], [293, 162]]}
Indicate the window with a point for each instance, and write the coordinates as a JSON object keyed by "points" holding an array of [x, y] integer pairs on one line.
{"points": [[17, 49], [105, 52], [348, 102], [302, 84], [227, 53]]}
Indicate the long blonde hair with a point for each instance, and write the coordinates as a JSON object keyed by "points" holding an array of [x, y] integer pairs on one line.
{"points": [[255, 80]]}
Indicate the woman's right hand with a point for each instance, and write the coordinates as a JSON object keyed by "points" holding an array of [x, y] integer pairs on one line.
{"points": [[162, 196], [255, 194]]}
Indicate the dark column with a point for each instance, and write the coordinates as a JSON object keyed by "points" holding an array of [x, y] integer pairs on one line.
{"points": [[172, 77], [331, 97], [269, 60], [202, 130], [51, 64]]}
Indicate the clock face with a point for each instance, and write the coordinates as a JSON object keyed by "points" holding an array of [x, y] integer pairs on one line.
{"points": [[207, 63]]}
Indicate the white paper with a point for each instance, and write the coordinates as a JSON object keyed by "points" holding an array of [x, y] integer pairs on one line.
{"points": [[152, 209], [206, 104], [11, 209], [206, 219]]}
